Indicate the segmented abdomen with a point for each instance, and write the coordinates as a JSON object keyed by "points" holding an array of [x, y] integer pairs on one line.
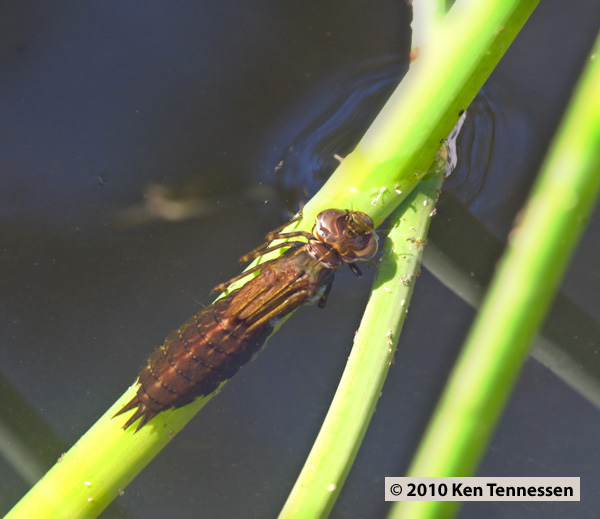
{"points": [[208, 349], [214, 344]]}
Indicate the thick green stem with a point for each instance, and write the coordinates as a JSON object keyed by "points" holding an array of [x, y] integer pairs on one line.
{"points": [[401, 144]]}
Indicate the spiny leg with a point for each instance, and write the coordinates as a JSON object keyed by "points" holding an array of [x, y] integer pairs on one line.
{"points": [[271, 235], [296, 218], [221, 287], [286, 235], [260, 251], [263, 249]]}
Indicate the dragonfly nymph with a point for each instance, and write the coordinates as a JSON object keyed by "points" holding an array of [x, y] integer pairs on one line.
{"points": [[215, 343]]}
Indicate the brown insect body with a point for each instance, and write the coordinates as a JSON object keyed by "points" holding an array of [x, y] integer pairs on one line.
{"points": [[215, 343]]}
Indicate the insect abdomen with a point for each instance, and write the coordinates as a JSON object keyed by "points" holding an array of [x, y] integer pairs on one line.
{"points": [[208, 349]]}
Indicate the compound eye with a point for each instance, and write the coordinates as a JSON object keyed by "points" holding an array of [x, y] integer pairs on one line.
{"points": [[369, 250]]}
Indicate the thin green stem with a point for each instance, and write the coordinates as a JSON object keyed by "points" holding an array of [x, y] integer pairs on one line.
{"points": [[349, 415]]}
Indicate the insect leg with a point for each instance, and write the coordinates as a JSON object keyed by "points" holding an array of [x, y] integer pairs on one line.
{"points": [[323, 299], [221, 287], [285, 235], [276, 233], [296, 218], [273, 235], [355, 270], [259, 251]]}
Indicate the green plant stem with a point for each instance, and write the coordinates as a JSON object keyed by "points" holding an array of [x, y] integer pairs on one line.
{"points": [[401, 144], [394, 155], [462, 254], [98, 467], [427, 14], [517, 301], [337, 444]]}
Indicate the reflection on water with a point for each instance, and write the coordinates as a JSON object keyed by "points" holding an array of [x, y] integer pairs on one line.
{"points": [[475, 151], [162, 202], [490, 147], [492, 152], [311, 156]]}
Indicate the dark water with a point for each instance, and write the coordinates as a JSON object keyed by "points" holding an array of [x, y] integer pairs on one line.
{"points": [[139, 156]]}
